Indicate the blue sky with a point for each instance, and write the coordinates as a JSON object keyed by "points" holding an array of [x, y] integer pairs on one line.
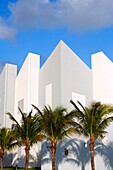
{"points": [[37, 26]]}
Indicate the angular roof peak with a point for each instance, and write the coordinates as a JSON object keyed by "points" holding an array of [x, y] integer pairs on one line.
{"points": [[62, 42]]}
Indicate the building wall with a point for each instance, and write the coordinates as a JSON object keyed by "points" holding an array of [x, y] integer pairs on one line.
{"points": [[2, 97], [103, 82], [63, 77], [7, 86], [26, 93], [102, 68], [78, 81], [26, 84], [50, 73], [76, 77], [67, 74]]}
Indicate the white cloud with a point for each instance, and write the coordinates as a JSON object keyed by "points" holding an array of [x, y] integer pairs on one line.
{"points": [[81, 15], [34, 14], [5, 31], [75, 15]]}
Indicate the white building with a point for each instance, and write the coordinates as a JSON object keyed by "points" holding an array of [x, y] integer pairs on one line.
{"points": [[62, 77]]}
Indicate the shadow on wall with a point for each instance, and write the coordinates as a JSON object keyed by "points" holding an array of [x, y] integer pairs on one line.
{"points": [[8, 159], [46, 155], [106, 152], [78, 154], [34, 161], [75, 147], [81, 154]]}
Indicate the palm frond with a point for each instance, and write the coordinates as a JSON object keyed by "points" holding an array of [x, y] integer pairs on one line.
{"points": [[96, 117], [12, 118], [71, 101], [38, 110]]}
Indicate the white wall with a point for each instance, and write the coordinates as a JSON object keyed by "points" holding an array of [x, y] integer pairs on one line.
{"points": [[26, 84], [50, 73], [79, 97], [67, 74], [102, 69], [75, 80], [26, 89], [75, 77], [7, 86], [2, 96]]}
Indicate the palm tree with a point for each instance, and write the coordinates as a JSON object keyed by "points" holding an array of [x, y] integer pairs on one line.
{"points": [[7, 142], [28, 132], [93, 121], [56, 125]]}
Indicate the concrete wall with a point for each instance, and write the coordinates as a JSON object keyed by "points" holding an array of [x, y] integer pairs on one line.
{"points": [[102, 68], [103, 82], [7, 86], [77, 80], [2, 97], [75, 77], [26, 93], [26, 84], [67, 74], [50, 73]]}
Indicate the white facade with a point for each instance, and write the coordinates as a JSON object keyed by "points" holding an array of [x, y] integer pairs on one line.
{"points": [[26, 93], [26, 84], [67, 74], [102, 69], [63, 77], [7, 86], [70, 78]]}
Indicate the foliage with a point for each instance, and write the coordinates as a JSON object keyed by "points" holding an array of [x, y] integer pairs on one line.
{"points": [[93, 120], [7, 139], [27, 131], [56, 124]]}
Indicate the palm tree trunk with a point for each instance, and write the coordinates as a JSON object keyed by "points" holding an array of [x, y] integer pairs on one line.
{"points": [[92, 160], [92, 153], [27, 157], [53, 148], [1, 163], [2, 157]]}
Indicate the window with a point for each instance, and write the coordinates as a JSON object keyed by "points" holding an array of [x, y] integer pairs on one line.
{"points": [[21, 105], [48, 95], [79, 97]]}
